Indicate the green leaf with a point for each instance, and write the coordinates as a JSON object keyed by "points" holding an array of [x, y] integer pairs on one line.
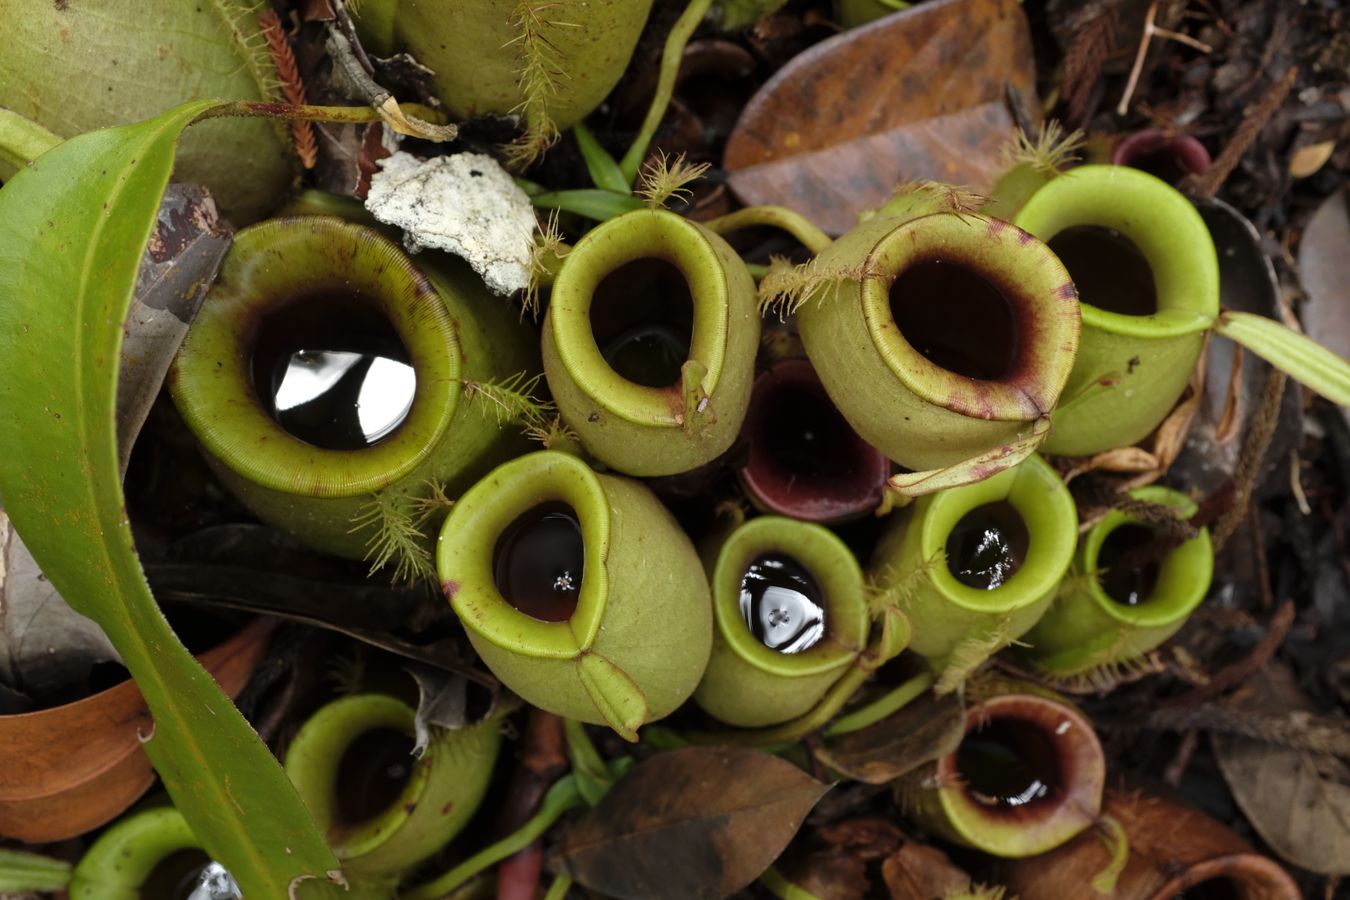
{"points": [[1302, 358], [605, 172], [593, 204], [21, 871], [73, 227]]}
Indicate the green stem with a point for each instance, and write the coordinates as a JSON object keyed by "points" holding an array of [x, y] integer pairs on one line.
{"points": [[794, 223], [665, 85], [757, 270], [22, 140], [782, 888], [562, 797], [559, 888], [581, 751], [882, 707]]}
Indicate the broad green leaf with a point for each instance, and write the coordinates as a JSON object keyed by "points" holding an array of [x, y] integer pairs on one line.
{"points": [[1301, 358], [605, 172], [591, 203], [73, 227]]}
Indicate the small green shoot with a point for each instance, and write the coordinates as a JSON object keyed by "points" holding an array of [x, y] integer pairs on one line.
{"points": [[511, 400]]}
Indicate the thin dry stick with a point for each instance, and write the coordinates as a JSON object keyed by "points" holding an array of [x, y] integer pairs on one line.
{"points": [[1150, 30], [292, 85], [1296, 730], [1231, 676], [1243, 138]]}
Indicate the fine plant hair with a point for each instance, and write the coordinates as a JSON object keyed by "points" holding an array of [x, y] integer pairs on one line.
{"points": [[1104, 676], [555, 434], [396, 537], [976, 891], [663, 179], [548, 249], [785, 288], [240, 19], [973, 652], [901, 592], [949, 198], [292, 85], [539, 73], [511, 401], [1049, 152], [430, 504]]}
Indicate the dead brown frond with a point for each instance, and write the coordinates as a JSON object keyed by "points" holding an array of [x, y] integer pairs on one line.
{"points": [[292, 85]]}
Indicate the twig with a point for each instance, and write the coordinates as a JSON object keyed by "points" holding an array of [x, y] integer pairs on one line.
{"points": [[1260, 430], [1150, 30], [1243, 137], [1233, 675], [1176, 769]]}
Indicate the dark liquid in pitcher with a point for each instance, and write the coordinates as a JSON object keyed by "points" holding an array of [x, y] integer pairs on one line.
{"points": [[1212, 889], [642, 317], [1007, 764], [332, 371], [807, 439], [1110, 272], [1123, 583], [181, 873], [783, 604], [539, 562], [987, 546], [372, 774], [956, 318]]}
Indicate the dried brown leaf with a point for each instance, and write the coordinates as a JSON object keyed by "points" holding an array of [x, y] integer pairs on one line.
{"points": [[1299, 802], [694, 822], [916, 95], [919, 732]]}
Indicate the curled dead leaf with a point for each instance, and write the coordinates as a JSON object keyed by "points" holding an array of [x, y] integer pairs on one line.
{"points": [[694, 822]]}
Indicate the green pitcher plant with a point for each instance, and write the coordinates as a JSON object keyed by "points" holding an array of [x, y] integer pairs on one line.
{"points": [[380, 827], [791, 617], [975, 567], [1148, 281], [578, 590], [134, 59], [1110, 611], [148, 853], [649, 343], [327, 379], [550, 63], [942, 336], [1027, 777]]}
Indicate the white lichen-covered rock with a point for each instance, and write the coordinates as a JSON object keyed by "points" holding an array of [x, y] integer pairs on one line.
{"points": [[464, 204]]}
